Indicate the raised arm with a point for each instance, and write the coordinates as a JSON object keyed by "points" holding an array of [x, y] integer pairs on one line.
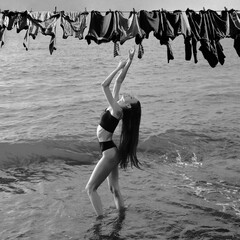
{"points": [[122, 75], [106, 84]]}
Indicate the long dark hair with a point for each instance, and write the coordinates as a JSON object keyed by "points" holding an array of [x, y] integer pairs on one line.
{"points": [[129, 136]]}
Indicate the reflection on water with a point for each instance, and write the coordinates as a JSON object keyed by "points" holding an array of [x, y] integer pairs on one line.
{"points": [[107, 227]]}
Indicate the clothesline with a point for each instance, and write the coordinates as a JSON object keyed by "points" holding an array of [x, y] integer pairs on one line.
{"points": [[129, 11], [206, 28]]}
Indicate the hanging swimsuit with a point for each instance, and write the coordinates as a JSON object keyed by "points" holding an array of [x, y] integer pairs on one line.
{"points": [[105, 129]]}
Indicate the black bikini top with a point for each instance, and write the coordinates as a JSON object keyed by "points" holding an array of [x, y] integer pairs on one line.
{"points": [[108, 121]]}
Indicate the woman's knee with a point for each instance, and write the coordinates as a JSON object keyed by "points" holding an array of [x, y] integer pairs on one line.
{"points": [[90, 188]]}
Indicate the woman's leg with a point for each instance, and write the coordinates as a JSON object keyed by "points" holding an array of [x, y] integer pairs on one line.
{"points": [[114, 188], [103, 168]]}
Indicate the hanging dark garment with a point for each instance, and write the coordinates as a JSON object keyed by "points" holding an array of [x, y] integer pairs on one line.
{"points": [[157, 22], [194, 20], [166, 26], [12, 16], [165, 33], [208, 46], [102, 29], [234, 29], [220, 28], [22, 22], [211, 32], [128, 28], [180, 23], [149, 21]]}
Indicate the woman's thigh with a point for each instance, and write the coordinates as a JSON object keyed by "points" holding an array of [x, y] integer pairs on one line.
{"points": [[104, 167]]}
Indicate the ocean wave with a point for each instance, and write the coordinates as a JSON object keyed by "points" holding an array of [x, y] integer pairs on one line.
{"points": [[179, 146], [27, 152]]}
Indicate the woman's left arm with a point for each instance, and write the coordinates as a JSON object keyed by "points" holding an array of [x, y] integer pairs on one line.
{"points": [[120, 78], [106, 84]]}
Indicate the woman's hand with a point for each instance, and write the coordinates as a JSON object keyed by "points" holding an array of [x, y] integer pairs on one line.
{"points": [[131, 53]]}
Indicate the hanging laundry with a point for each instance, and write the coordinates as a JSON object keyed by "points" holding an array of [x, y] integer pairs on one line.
{"points": [[34, 27], [46, 23], [73, 24], [12, 19], [3, 25], [102, 29], [157, 22], [128, 28], [149, 21], [181, 26], [165, 27], [194, 20], [208, 27], [234, 29], [22, 21], [212, 29]]}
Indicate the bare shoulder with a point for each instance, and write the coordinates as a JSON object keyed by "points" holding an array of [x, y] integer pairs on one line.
{"points": [[116, 111]]}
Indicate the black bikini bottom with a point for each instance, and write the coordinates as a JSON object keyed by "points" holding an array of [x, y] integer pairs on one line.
{"points": [[106, 145]]}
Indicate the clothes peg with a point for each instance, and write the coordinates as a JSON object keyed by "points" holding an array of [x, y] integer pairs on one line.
{"points": [[204, 9], [134, 10], [225, 9], [85, 11], [55, 9]]}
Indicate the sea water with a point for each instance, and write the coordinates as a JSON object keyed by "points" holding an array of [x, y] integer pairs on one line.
{"points": [[189, 185]]}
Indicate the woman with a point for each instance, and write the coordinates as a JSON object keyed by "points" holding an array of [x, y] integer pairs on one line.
{"points": [[128, 109]]}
